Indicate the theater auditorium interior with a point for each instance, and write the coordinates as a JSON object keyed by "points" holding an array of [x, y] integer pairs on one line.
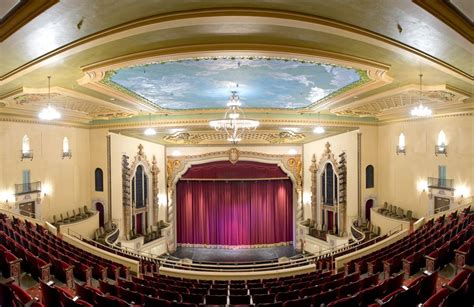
{"points": [[236, 153]]}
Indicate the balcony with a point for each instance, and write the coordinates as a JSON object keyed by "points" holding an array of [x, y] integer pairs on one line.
{"points": [[25, 188], [438, 183]]}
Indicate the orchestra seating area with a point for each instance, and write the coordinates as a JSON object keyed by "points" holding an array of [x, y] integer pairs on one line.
{"points": [[387, 277]]}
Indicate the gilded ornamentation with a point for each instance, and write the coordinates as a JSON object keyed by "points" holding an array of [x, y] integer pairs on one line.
{"points": [[182, 138], [234, 155], [314, 188]]}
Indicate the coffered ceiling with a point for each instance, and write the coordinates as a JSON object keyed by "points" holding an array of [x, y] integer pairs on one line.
{"points": [[116, 64]]}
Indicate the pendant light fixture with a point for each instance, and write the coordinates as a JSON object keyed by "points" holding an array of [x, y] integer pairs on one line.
{"points": [[421, 110], [49, 113], [150, 131], [319, 129]]}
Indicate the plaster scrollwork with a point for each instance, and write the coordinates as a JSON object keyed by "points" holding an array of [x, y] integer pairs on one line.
{"points": [[313, 169], [127, 173], [155, 170]]}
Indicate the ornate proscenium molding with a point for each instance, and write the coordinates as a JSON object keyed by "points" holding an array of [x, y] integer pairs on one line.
{"points": [[154, 172], [177, 166], [342, 170], [127, 174], [313, 169], [213, 137], [126, 194]]}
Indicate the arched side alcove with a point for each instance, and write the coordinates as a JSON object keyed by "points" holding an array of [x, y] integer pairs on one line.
{"points": [[178, 166]]}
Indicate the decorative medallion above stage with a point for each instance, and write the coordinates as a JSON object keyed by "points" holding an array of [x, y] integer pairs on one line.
{"points": [[262, 82]]}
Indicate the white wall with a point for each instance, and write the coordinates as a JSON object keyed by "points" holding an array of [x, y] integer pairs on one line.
{"points": [[67, 181], [400, 176]]}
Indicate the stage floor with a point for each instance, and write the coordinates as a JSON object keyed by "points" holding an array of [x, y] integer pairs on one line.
{"points": [[234, 255]]}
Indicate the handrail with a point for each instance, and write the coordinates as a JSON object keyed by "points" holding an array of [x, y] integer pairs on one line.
{"points": [[299, 260], [355, 229]]}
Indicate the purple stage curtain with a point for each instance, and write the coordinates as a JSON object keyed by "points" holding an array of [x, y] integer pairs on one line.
{"points": [[234, 212]]}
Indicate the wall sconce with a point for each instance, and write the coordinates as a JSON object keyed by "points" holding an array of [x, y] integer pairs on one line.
{"points": [[401, 148], [66, 150], [67, 154], [441, 148], [26, 154]]}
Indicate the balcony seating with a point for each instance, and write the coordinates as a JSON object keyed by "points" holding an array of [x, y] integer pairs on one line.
{"points": [[300, 302], [10, 265], [263, 298], [323, 298], [38, 268], [130, 296], [464, 255], [216, 299], [50, 294], [12, 295], [437, 299], [63, 272], [414, 262], [112, 301], [87, 293], [67, 301], [285, 296], [239, 299]]}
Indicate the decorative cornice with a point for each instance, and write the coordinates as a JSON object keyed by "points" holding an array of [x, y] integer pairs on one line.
{"points": [[21, 14], [448, 13], [199, 17]]}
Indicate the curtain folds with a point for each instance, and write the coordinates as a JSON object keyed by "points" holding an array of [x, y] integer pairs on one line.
{"points": [[234, 212]]}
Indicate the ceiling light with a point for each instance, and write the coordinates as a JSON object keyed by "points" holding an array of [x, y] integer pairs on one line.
{"points": [[234, 123], [319, 129], [421, 110], [49, 113], [149, 131]]}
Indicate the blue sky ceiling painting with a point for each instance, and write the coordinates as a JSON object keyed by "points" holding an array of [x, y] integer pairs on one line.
{"points": [[260, 82]]}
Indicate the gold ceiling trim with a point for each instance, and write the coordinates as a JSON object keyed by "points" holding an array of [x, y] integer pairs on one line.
{"points": [[450, 15], [96, 72], [21, 14], [396, 103], [74, 105], [221, 16], [184, 123], [269, 137], [412, 119]]}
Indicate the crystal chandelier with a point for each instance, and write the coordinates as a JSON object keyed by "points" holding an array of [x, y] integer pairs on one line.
{"points": [[49, 113], [421, 110], [234, 123]]}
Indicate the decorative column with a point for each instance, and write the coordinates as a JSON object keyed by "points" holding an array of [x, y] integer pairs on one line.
{"points": [[313, 169], [154, 172], [294, 163], [127, 214], [342, 171]]}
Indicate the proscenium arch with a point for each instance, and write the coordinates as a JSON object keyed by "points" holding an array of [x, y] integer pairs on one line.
{"points": [[189, 161]]}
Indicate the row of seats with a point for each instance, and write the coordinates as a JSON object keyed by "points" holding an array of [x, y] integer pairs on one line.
{"points": [[395, 212], [82, 213], [432, 235]]}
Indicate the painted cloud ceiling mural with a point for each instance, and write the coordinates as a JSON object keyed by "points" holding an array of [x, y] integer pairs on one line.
{"points": [[206, 83]]}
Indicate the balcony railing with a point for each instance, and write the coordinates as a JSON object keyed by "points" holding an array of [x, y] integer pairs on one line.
{"points": [[30, 187], [447, 184]]}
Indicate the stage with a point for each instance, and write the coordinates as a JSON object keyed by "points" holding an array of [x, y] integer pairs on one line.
{"points": [[234, 255]]}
